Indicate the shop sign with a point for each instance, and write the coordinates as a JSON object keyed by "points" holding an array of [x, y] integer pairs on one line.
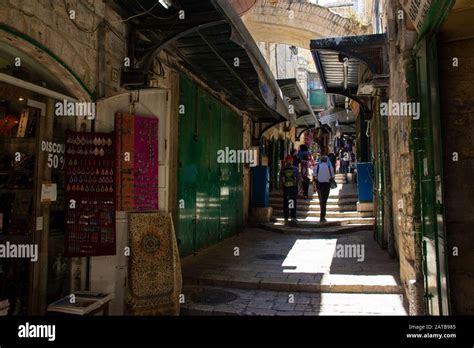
{"points": [[55, 153]]}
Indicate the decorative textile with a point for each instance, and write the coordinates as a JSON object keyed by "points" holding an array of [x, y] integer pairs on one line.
{"points": [[137, 158], [90, 194], [154, 270]]}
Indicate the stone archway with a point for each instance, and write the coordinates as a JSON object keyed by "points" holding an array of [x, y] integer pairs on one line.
{"points": [[47, 60], [293, 23]]}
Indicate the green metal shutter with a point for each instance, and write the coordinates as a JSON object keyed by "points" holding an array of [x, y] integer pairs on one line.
{"points": [[187, 169], [212, 191]]}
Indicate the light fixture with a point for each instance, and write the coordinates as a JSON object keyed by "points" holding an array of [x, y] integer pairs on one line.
{"points": [[21, 99], [165, 3]]}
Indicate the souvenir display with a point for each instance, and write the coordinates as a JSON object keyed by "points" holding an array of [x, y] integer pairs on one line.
{"points": [[90, 194], [137, 158]]}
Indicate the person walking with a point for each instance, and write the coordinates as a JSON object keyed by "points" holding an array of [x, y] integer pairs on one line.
{"points": [[306, 174], [345, 162], [332, 159], [296, 160], [289, 178], [324, 175], [315, 161]]}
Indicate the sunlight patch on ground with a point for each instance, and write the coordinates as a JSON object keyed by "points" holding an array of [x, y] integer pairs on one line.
{"points": [[310, 256]]}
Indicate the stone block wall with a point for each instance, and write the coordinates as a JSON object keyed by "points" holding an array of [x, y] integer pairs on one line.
{"points": [[76, 41], [402, 163]]}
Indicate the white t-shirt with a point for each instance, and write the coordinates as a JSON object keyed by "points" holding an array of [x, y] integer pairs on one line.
{"points": [[324, 173]]}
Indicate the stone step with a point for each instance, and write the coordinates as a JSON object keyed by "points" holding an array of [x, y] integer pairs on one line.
{"points": [[315, 207], [315, 200], [314, 221], [329, 214], [323, 283], [266, 303], [326, 228], [311, 195]]}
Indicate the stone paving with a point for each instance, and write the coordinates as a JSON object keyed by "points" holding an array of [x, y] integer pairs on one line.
{"points": [[269, 303], [327, 268]]}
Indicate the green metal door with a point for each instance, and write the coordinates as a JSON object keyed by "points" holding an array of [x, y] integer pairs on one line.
{"points": [[187, 168], [428, 156], [209, 193], [202, 192], [226, 170], [214, 142], [238, 173]]}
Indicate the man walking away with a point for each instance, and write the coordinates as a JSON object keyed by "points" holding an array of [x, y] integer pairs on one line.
{"points": [[289, 178], [324, 174]]}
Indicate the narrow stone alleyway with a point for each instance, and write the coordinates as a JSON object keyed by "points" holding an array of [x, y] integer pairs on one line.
{"points": [[283, 274]]}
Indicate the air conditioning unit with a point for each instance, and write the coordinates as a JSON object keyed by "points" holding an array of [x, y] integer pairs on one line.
{"points": [[134, 78]]}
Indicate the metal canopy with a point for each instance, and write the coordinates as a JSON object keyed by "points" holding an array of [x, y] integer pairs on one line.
{"points": [[341, 60], [212, 42], [296, 97]]}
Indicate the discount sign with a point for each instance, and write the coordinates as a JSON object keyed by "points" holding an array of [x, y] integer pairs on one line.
{"points": [[55, 153]]}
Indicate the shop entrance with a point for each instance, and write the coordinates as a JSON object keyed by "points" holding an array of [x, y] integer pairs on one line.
{"points": [[33, 269]]}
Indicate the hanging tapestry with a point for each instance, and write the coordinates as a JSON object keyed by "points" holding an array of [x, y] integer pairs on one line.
{"points": [[90, 194], [137, 159]]}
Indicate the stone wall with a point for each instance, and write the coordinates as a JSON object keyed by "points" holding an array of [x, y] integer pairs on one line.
{"points": [[76, 41], [402, 163]]}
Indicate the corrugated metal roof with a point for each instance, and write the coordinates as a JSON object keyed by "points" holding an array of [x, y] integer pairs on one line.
{"points": [[213, 43], [340, 61], [296, 97]]}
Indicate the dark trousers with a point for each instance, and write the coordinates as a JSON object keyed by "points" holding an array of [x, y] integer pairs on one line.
{"points": [[323, 194], [345, 167], [289, 193], [305, 186]]}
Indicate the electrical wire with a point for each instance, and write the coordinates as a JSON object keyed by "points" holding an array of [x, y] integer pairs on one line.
{"points": [[155, 16], [112, 30], [138, 14], [93, 30]]}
